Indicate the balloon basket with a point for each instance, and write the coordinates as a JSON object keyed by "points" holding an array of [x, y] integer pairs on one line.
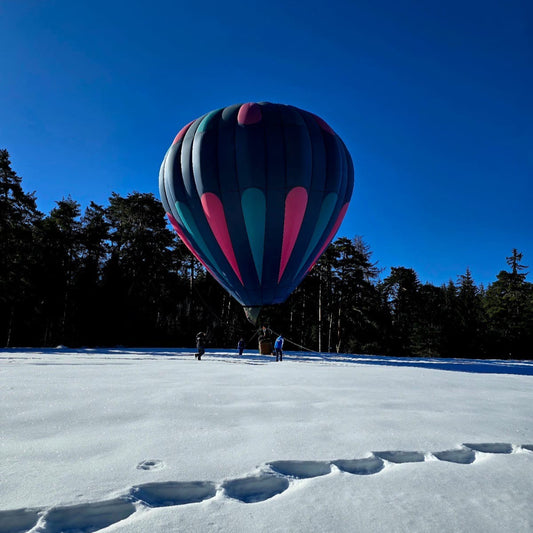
{"points": [[265, 347]]}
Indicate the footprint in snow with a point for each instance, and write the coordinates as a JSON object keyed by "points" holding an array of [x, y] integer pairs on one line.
{"points": [[462, 456], [86, 517], [18, 520], [255, 488], [173, 492], [301, 469], [363, 467], [491, 447], [151, 464], [401, 457]]}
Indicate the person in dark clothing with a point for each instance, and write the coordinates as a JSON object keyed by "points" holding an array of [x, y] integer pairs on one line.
{"points": [[240, 346], [200, 345]]}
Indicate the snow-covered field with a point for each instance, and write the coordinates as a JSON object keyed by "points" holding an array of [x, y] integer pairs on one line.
{"points": [[129, 440]]}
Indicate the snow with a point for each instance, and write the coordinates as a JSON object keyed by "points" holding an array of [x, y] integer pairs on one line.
{"points": [[136, 440]]}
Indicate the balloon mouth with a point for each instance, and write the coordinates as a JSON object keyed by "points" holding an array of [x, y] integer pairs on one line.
{"points": [[252, 313]]}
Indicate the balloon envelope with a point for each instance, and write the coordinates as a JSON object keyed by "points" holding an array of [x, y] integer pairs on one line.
{"points": [[257, 191]]}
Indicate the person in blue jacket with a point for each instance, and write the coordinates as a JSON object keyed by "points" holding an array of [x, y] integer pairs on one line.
{"points": [[278, 348]]}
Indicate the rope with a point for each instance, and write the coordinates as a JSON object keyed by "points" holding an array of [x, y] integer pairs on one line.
{"points": [[209, 308], [252, 338], [295, 343]]}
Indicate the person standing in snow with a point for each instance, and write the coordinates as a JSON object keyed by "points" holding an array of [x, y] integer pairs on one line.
{"points": [[200, 345], [278, 347], [240, 346]]}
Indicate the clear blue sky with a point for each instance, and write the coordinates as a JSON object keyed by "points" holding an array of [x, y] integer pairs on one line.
{"points": [[433, 100]]}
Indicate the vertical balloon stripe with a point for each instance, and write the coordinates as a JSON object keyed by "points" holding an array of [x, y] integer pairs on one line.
{"points": [[182, 132], [188, 221], [253, 204], [206, 120], [204, 155], [331, 235], [295, 205], [226, 148], [162, 192], [172, 175], [185, 164], [324, 217], [350, 173], [214, 212], [250, 157], [298, 155]]}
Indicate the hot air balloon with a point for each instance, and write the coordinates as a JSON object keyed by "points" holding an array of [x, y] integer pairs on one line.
{"points": [[257, 191]]}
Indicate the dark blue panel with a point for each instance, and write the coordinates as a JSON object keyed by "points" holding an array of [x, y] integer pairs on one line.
{"points": [[275, 202], [318, 153], [226, 148], [350, 174], [250, 155], [297, 149], [333, 162]]}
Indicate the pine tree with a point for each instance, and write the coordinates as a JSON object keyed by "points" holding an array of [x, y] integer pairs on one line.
{"points": [[427, 339], [509, 306], [139, 270], [18, 213], [401, 290], [359, 313], [58, 249], [94, 245], [470, 316]]}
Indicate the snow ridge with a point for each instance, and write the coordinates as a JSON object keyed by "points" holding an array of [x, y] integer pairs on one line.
{"points": [[273, 478]]}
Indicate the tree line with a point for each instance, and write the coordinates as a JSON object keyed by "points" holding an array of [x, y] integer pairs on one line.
{"points": [[117, 275]]}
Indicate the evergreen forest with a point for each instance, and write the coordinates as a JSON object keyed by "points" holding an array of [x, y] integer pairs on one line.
{"points": [[116, 275]]}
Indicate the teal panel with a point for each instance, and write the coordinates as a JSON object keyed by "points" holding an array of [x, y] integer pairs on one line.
{"points": [[207, 119], [254, 211]]}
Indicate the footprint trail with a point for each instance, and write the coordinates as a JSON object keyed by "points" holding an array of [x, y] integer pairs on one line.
{"points": [[275, 478]]}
